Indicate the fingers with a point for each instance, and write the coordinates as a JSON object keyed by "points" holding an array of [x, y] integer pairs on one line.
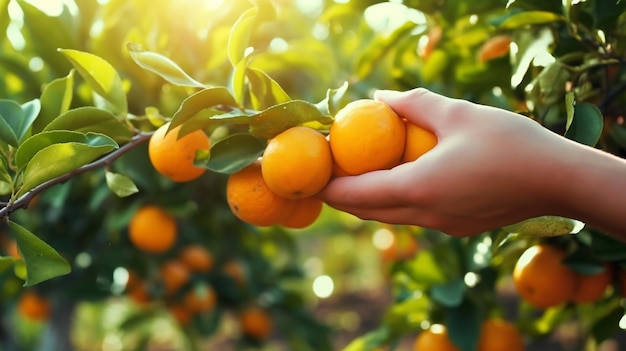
{"points": [[423, 107], [370, 190]]}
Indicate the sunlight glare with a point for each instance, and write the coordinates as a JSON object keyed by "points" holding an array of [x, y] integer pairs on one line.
{"points": [[323, 286], [389, 16], [382, 238]]}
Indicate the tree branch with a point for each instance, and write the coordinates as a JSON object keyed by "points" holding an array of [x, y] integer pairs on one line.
{"points": [[105, 161]]}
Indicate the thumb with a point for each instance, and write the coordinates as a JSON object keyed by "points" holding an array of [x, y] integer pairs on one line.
{"points": [[420, 106]]}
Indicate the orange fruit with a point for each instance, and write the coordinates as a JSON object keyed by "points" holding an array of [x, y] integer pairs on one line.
{"points": [[152, 229], [200, 299], [367, 135], [297, 163], [591, 288], [196, 258], [404, 246], [255, 322], [180, 313], [174, 157], [434, 338], [252, 201], [542, 279], [418, 142], [305, 212], [236, 271], [12, 249], [138, 293], [432, 39], [34, 306], [498, 335], [174, 276], [494, 47]]}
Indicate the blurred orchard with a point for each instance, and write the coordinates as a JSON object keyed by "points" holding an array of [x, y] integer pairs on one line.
{"points": [[85, 83]]}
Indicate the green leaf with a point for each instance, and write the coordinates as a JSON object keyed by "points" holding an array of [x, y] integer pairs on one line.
{"points": [[264, 91], [56, 99], [120, 185], [101, 77], [370, 341], [240, 33], [58, 159], [42, 261], [424, 269], [10, 116], [587, 124], [234, 153], [545, 226], [463, 323], [199, 101], [276, 119], [91, 119], [30, 111], [332, 102], [4, 172], [521, 19], [162, 66], [44, 41], [607, 248], [449, 294], [37, 142], [570, 101], [239, 80]]}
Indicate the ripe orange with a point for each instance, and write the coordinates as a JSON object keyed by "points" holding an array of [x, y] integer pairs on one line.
{"points": [[180, 313], [12, 249], [196, 258], [304, 214], [252, 201], [174, 276], [418, 142], [33, 306], [200, 299], [495, 47], [152, 229], [498, 335], [591, 288], [138, 293], [432, 39], [434, 338], [542, 279], [174, 157], [255, 322], [236, 271], [367, 135], [297, 163], [404, 246]]}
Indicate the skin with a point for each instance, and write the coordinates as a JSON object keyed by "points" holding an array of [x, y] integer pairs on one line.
{"points": [[490, 168]]}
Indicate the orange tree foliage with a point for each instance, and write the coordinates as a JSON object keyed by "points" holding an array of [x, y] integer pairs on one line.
{"points": [[79, 103]]}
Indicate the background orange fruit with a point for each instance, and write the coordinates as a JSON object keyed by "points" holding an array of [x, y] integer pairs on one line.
{"points": [[367, 135], [200, 299], [34, 306], [255, 322], [305, 212], [542, 279], [499, 335], [174, 276], [196, 258], [434, 338], [174, 157], [297, 163], [494, 47], [152, 229], [418, 142], [591, 288], [252, 201]]}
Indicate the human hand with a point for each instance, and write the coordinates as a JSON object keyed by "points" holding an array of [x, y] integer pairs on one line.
{"points": [[490, 168]]}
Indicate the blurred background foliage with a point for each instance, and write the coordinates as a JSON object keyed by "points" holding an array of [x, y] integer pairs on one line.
{"points": [[341, 283]]}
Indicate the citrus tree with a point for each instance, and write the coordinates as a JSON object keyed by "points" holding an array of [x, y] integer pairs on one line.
{"points": [[131, 138]]}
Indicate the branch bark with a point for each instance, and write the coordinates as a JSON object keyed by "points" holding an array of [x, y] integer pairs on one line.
{"points": [[105, 161]]}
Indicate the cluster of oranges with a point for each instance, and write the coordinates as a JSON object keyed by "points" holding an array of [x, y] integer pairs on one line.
{"points": [[280, 188], [495, 335], [544, 280], [182, 280]]}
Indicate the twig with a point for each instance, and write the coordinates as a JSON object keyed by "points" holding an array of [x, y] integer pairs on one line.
{"points": [[24, 200]]}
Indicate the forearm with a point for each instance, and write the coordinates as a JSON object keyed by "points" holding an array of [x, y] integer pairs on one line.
{"points": [[595, 192]]}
